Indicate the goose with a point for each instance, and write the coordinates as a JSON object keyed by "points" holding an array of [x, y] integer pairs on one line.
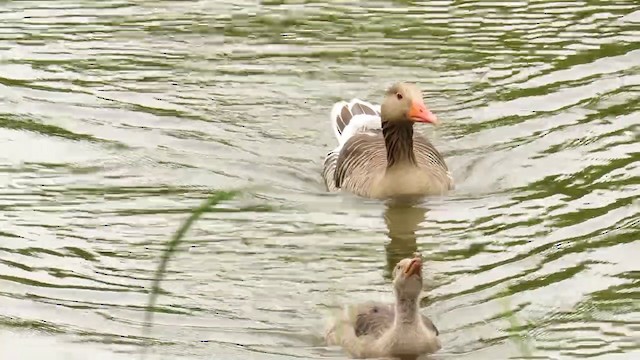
{"points": [[378, 155], [375, 329]]}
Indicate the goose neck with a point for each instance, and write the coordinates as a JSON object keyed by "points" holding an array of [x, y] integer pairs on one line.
{"points": [[398, 140]]}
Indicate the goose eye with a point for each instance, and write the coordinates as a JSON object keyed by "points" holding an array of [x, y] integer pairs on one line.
{"points": [[399, 96]]}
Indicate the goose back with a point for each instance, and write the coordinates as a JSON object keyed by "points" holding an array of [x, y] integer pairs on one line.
{"points": [[348, 120], [362, 163], [375, 318]]}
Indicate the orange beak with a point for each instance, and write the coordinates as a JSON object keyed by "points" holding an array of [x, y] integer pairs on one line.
{"points": [[414, 268], [420, 113]]}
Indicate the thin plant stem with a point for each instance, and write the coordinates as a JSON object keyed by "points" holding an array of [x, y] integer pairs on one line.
{"points": [[172, 246]]}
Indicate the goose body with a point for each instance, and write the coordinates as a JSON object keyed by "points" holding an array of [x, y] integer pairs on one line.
{"points": [[378, 154], [375, 329]]}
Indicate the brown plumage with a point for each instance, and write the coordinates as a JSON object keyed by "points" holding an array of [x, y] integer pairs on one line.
{"points": [[377, 317], [376, 329], [378, 155]]}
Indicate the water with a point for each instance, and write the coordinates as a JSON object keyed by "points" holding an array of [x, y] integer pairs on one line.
{"points": [[117, 118]]}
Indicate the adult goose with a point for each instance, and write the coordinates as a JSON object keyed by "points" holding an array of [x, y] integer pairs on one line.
{"points": [[375, 330], [378, 155]]}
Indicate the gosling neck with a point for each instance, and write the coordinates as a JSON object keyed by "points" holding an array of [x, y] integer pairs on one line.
{"points": [[407, 309]]}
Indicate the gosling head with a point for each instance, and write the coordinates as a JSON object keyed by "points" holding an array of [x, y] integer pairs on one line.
{"points": [[407, 277]]}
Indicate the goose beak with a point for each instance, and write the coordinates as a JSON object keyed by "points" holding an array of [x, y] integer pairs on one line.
{"points": [[414, 268], [420, 113]]}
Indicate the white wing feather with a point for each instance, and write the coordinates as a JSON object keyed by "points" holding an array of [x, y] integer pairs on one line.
{"points": [[358, 123], [361, 123]]}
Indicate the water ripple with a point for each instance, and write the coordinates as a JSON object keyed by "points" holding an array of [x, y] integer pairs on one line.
{"points": [[117, 118]]}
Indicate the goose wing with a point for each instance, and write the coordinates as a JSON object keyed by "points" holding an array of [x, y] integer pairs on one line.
{"points": [[362, 158], [349, 121], [375, 318], [430, 159]]}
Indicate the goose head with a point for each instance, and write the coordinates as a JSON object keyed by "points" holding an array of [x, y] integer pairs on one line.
{"points": [[403, 102], [407, 277]]}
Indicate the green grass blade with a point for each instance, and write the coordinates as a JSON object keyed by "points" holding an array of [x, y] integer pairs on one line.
{"points": [[172, 246]]}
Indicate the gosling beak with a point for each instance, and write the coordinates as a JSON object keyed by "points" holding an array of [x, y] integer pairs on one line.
{"points": [[420, 113], [414, 268]]}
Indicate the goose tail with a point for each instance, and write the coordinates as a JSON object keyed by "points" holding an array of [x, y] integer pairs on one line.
{"points": [[348, 119], [344, 112]]}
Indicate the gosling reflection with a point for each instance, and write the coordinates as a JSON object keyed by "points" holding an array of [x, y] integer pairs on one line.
{"points": [[402, 222]]}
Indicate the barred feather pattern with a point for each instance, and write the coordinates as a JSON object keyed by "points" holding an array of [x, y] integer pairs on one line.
{"points": [[348, 120]]}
